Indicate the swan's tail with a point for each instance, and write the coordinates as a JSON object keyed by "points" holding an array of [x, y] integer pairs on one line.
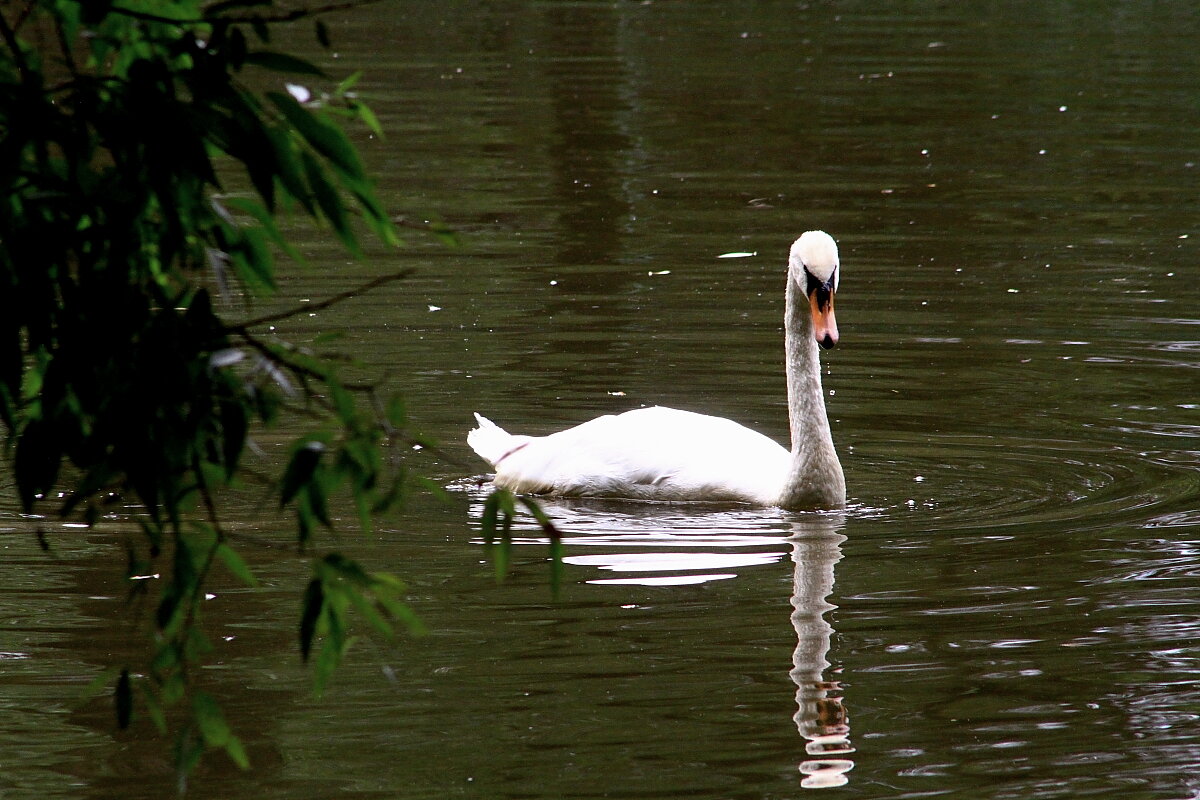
{"points": [[492, 442]]}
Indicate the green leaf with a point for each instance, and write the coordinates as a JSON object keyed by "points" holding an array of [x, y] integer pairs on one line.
{"points": [[267, 221], [323, 137], [287, 166], [236, 752], [314, 603], [210, 720], [348, 83], [283, 62], [98, 684], [368, 118], [300, 470], [498, 513], [329, 201], [236, 565], [317, 503], [154, 708], [234, 427], [217, 9], [370, 613], [36, 462], [123, 700]]}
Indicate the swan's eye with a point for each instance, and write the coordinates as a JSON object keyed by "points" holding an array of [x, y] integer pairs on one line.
{"points": [[823, 289]]}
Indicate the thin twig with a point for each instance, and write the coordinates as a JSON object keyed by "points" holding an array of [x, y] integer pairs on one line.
{"points": [[282, 17], [243, 327]]}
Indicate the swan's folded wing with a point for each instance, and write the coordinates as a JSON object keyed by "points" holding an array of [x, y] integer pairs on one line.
{"points": [[652, 454]]}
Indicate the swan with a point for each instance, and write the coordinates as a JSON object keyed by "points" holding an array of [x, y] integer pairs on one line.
{"points": [[667, 454]]}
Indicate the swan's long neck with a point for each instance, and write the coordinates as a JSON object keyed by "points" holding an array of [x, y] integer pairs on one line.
{"points": [[815, 478]]}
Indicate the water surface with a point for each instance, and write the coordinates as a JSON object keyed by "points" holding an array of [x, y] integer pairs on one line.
{"points": [[1009, 606]]}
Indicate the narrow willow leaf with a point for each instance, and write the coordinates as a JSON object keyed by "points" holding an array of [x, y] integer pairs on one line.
{"points": [[166, 657], [487, 522], [287, 167], [267, 221], [556, 566], [324, 138], [345, 568], [362, 507], [173, 689], [235, 424], [123, 700], [236, 752], [389, 582], [98, 684], [368, 118], [210, 720], [153, 706], [317, 502], [282, 62], [196, 644], [397, 411], [497, 524], [216, 9], [314, 603], [300, 469], [348, 83], [402, 612], [329, 202], [236, 565], [366, 607]]}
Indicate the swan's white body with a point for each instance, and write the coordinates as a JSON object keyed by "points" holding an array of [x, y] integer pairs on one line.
{"points": [[666, 454]]}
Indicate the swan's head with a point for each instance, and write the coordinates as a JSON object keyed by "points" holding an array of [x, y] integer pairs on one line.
{"points": [[814, 264]]}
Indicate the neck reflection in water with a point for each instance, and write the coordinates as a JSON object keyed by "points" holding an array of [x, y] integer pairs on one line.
{"points": [[676, 545], [820, 714]]}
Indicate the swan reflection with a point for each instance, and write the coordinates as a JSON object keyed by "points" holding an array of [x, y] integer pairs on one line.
{"points": [[687, 545], [821, 716]]}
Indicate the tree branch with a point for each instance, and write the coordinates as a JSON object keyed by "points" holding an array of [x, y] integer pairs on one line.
{"points": [[281, 17], [243, 328]]}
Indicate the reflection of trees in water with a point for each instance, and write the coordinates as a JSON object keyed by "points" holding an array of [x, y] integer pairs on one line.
{"points": [[820, 715]]}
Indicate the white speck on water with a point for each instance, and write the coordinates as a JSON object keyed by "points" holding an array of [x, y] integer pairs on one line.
{"points": [[738, 255], [435, 308], [1062, 108]]}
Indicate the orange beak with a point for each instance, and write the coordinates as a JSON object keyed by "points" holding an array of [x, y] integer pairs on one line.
{"points": [[824, 324]]}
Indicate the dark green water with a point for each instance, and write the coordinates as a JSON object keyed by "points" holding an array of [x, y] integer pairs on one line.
{"points": [[1011, 606]]}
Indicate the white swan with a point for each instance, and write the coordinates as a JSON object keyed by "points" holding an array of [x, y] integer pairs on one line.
{"points": [[665, 454]]}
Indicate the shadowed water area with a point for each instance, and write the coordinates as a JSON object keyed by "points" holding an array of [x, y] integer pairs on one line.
{"points": [[1009, 607]]}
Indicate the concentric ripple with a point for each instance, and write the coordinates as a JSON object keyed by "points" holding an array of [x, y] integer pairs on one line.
{"points": [[998, 481]]}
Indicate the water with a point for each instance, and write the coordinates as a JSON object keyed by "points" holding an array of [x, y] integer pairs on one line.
{"points": [[1009, 607]]}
